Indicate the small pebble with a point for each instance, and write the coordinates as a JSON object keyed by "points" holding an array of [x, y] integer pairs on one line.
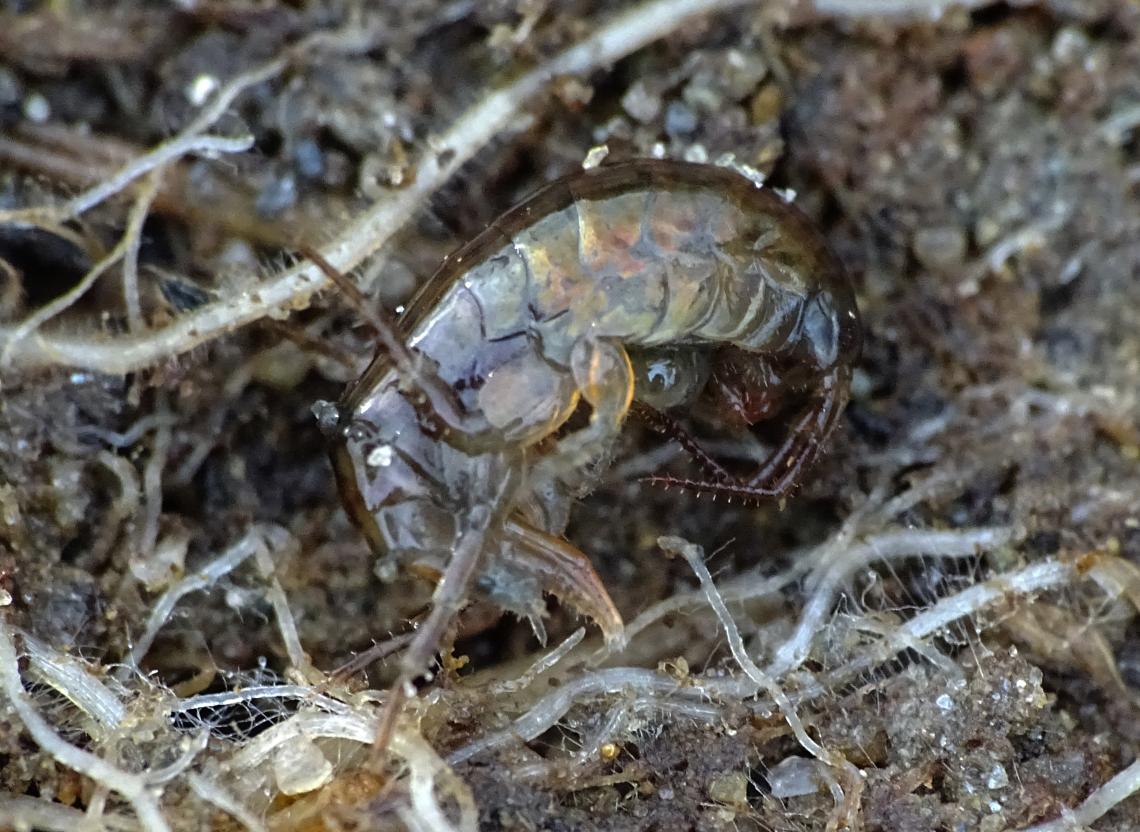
{"points": [[36, 108], [641, 104], [730, 789], [940, 248], [794, 777], [278, 196], [309, 159], [998, 778], [680, 120]]}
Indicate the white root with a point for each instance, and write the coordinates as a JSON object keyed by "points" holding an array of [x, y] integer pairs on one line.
{"points": [[1118, 789], [72, 679], [152, 489], [12, 336], [187, 141], [282, 543], [128, 437], [431, 785], [257, 543], [19, 812], [96, 810], [693, 699], [134, 788], [192, 747], [129, 242], [247, 696], [829, 577], [212, 792], [147, 193], [832, 563], [204, 578], [426, 771], [542, 664], [920, 9], [752, 586], [694, 556], [740, 588], [293, 288], [635, 681], [1037, 577]]}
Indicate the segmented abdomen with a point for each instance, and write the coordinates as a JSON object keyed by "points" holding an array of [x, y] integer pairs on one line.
{"points": [[647, 252]]}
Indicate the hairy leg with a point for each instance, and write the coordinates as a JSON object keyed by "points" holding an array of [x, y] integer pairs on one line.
{"points": [[666, 425], [604, 377], [564, 571], [783, 468], [533, 550], [488, 502]]}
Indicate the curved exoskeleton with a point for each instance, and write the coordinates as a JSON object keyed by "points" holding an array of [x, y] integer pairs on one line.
{"points": [[454, 441]]}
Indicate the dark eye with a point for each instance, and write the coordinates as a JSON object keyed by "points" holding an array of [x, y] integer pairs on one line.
{"points": [[667, 378]]}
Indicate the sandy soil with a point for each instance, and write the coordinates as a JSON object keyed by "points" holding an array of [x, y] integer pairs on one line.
{"points": [[948, 602]]}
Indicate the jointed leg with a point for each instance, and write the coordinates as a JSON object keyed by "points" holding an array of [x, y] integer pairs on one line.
{"points": [[782, 470], [450, 594], [563, 571], [605, 378], [807, 435], [604, 375], [666, 425]]}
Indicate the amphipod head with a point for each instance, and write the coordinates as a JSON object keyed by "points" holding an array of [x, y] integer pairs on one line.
{"points": [[386, 467]]}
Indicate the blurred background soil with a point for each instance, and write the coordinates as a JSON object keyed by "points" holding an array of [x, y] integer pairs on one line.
{"points": [[978, 171]]}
